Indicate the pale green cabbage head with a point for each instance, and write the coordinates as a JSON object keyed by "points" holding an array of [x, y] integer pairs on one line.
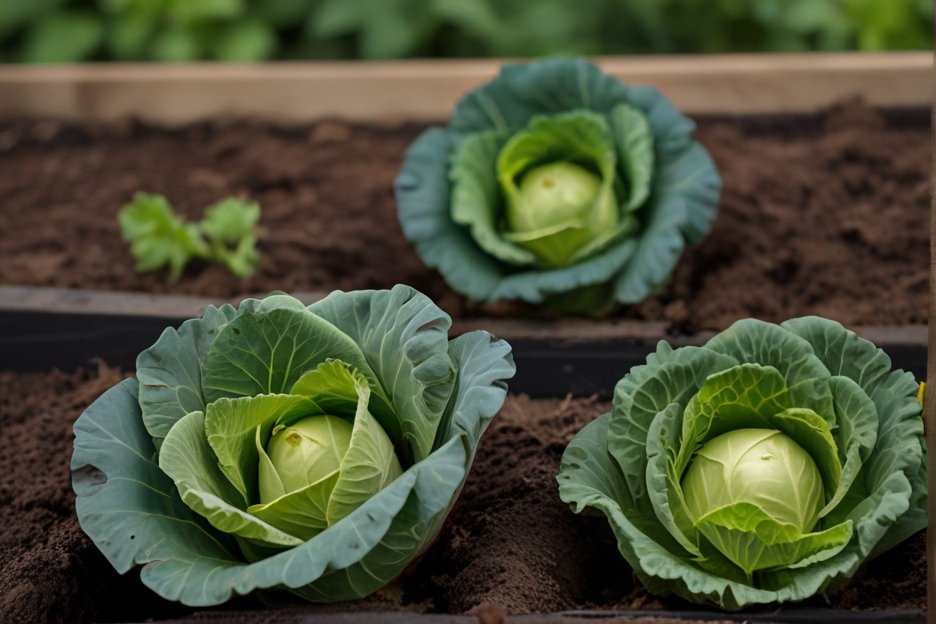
{"points": [[765, 466]]}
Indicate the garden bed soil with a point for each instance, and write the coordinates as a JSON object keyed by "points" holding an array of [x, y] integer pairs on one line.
{"points": [[821, 214], [509, 546]]}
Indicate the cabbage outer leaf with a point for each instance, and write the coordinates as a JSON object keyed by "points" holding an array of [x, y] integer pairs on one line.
{"points": [[756, 541], [893, 393], [476, 197], [634, 143], [369, 464], [267, 349], [303, 513], [170, 372], [404, 339]]}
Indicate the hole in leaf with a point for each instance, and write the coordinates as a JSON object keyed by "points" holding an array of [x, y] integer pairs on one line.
{"points": [[87, 480]]}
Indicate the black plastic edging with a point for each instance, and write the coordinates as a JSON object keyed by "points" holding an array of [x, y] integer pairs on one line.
{"points": [[546, 367]]}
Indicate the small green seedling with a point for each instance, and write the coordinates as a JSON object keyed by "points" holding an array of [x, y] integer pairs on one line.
{"points": [[159, 238]]}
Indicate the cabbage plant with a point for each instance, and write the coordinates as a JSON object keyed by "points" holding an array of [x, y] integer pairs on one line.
{"points": [[764, 466], [274, 445], [557, 184]]}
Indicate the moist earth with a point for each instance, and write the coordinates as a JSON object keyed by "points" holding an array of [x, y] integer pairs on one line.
{"points": [[821, 214], [510, 545]]}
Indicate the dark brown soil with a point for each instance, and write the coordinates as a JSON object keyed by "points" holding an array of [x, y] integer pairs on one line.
{"points": [[49, 570], [510, 541], [822, 214]]}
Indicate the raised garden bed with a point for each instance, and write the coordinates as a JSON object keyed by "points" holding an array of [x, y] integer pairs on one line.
{"points": [[822, 213], [807, 200], [808, 197], [509, 542], [828, 225]]}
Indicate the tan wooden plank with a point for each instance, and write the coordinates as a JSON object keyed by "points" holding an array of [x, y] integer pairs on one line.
{"points": [[426, 90], [87, 301], [102, 302]]}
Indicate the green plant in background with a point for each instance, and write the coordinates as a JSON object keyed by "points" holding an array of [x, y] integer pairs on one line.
{"points": [[315, 449], [765, 466], [62, 31], [159, 238], [558, 184], [252, 30], [404, 28]]}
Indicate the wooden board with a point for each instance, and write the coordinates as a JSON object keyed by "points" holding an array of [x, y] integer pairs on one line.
{"points": [[585, 357], [426, 90], [45, 327]]}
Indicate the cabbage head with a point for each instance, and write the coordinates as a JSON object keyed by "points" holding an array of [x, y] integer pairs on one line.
{"points": [[315, 449], [765, 466], [557, 184]]}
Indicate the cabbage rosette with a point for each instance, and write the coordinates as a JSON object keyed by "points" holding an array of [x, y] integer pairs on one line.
{"points": [[558, 184], [765, 466], [316, 449]]}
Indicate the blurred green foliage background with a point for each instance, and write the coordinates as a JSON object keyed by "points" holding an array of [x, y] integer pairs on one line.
{"points": [[55, 31]]}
